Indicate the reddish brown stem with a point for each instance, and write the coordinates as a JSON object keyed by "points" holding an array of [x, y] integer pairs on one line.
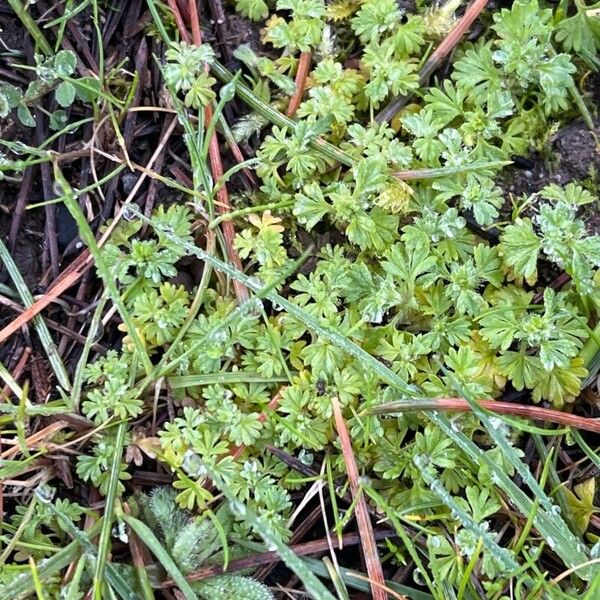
{"points": [[216, 165], [450, 41], [224, 206], [301, 76], [17, 372], [265, 558], [446, 46], [365, 527], [535, 413], [185, 36]]}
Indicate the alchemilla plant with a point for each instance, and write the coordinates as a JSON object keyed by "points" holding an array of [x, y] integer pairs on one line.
{"points": [[384, 260], [409, 278]]}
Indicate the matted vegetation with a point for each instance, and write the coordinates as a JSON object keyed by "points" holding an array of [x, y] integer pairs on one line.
{"points": [[300, 299]]}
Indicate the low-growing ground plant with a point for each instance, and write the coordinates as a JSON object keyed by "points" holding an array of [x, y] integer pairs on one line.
{"points": [[347, 279]]}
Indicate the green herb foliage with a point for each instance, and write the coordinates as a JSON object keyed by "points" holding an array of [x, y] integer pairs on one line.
{"points": [[403, 294], [407, 279]]}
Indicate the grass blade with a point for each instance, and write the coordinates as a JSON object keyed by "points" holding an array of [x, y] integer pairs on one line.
{"points": [[21, 11], [83, 359], [503, 555], [109, 281], [221, 378], [111, 496], [9, 380], [152, 543], [336, 579], [39, 324]]}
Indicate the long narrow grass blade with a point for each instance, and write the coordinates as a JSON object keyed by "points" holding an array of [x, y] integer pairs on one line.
{"points": [[336, 579], [9, 380], [68, 278], [56, 407], [39, 324], [224, 378], [111, 496], [20, 9], [39, 591], [157, 20], [152, 543], [558, 490], [502, 555], [74, 592], [83, 359], [90, 241], [17, 534]]}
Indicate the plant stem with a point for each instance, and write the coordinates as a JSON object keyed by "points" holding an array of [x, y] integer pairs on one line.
{"points": [[503, 408], [363, 521], [301, 76], [38, 322], [111, 496], [20, 10], [433, 62]]}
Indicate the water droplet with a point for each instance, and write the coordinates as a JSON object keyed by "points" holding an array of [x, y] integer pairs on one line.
{"points": [[45, 493], [192, 465], [364, 481], [418, 577], [435, 541], [238, 509], [119, 532]]}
